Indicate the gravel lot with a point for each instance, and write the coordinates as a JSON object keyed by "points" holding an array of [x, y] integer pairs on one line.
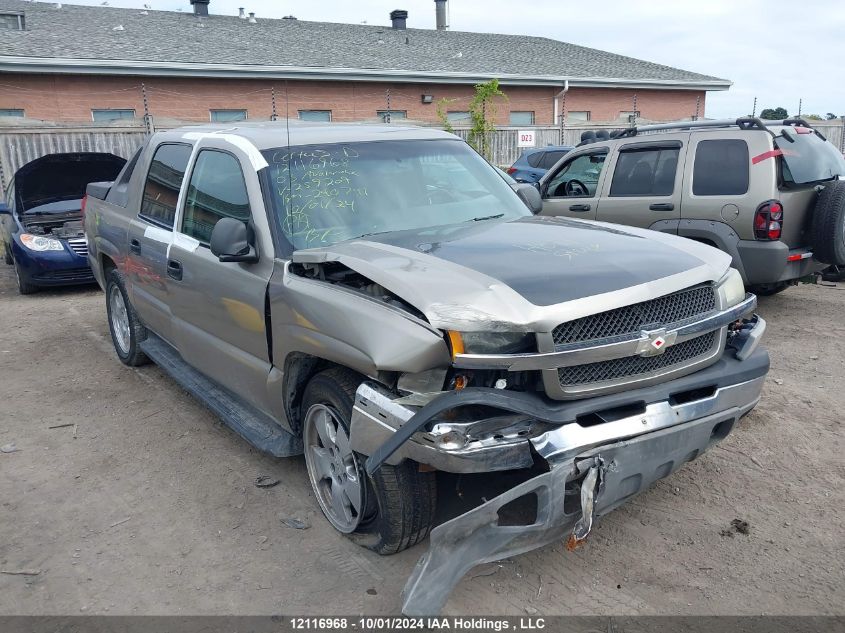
{"points": [[145, 504]]}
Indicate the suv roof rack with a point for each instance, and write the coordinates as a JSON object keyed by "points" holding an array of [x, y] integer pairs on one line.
{"points": [[743, 123]]}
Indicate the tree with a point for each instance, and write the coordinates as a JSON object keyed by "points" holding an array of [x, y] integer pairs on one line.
{"points": [[830, 116], [774, 114], [482, 112], [811, 117], [443, 116]]}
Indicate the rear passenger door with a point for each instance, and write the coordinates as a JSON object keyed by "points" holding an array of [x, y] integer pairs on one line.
{"points": [[219, 310], [644, 185], [572, 189], [150, 234]]}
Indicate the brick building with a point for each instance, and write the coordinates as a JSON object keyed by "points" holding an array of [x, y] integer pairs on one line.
{"points": [[78, 63]]}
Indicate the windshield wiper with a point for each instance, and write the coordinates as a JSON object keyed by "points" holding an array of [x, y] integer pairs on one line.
{"points": [[487, 217]]}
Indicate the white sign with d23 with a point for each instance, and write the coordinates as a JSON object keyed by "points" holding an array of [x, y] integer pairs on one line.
{"points": [[526, 138]]}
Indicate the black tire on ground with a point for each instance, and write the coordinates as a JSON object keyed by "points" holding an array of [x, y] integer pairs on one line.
{"points": [[7, 255], [834, 273], [828, 230], [767, 290], [400, 501], [130, 353], [24, 287]]}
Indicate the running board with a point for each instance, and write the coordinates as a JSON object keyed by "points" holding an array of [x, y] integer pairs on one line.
{"points": [[255, 427]]}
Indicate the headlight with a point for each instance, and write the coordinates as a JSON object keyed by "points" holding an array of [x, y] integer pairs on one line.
{"points": [[41, 243], [490, 342], [732, 288]]}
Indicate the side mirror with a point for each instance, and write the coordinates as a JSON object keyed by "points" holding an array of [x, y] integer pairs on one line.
{"points": [[233, 241], [4, 209], [530, 195]]}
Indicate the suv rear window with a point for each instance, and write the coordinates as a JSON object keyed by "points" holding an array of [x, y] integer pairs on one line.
{"points": [[645, 172], [807, 158], [721, 168], [535, 158], [164, 180], [550, 158]]}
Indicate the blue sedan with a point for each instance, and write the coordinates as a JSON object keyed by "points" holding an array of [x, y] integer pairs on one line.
{"points": [[533, 163], [41, 231]]}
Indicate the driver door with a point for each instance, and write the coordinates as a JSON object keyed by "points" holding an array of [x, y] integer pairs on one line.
{"points": [[572, 190]]}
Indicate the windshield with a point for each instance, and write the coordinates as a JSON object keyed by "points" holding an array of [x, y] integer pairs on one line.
{"points": [[323, 194], [807, 158]]}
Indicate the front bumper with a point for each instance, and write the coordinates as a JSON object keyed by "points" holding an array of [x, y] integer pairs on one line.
{"points": [[52, 268]]}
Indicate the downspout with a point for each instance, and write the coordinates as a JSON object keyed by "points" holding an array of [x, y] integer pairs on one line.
{"points": [[557, 108]]}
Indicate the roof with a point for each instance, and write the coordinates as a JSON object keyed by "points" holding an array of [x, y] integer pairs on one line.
{"points": [[274, 134], [83, 39]]}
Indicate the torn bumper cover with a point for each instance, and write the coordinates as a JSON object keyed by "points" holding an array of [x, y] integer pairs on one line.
{"points": [[598, 466]]}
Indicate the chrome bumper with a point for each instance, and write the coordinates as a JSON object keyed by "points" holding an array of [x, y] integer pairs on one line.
{"points": [[627, 468], [596, 351]]}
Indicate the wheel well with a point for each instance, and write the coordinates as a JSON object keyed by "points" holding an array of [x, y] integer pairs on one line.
{"points": [[703, 240], [107, 262], [298, 370]]}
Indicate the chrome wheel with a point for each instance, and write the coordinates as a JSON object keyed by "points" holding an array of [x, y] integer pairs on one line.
{"points": [[333, 468], [119, 319]]}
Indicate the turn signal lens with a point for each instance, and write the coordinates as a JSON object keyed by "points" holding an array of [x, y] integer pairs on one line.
{"points": [[456, 342]]}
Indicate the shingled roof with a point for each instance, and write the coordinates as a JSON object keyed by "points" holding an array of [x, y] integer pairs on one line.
{"points": [[87, 40]]}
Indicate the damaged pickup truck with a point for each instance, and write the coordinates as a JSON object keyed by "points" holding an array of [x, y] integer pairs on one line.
{"points": [[379, 298]]}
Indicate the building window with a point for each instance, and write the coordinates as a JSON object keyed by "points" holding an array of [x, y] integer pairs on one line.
{"points": [[112, 115], [225, 116], [461, 118], [315, 115], [11, 112], [12, 21], [395, 115], [629, 114], [521, 118], [578, 115]]}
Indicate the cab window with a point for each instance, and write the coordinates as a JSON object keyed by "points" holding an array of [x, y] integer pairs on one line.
{"points": [[217, 190], [164, 180], [578, 178]]}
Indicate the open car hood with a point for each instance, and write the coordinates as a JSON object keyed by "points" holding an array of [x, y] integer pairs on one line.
{"points": [[58, 177], [525, 275]]}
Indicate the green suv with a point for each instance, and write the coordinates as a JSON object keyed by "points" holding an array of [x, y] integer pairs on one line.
{"points": [[766, 193]]}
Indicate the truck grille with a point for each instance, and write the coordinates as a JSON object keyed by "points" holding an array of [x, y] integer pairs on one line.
{"points": [[672, 308], [79, 245], [681, 354]]}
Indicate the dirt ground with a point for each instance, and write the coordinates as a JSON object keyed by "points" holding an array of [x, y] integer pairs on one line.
{"points": [[145, 504]]}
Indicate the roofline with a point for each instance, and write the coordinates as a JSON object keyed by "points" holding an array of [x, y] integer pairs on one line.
{"points": [[59, 65]]}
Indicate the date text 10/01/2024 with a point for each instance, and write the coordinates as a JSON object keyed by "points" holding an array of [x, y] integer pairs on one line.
{"points": [[409, 624]]}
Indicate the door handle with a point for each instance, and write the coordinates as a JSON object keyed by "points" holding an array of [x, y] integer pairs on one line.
{"points": [[579, 207], [662, 206], [135, 246], [174, 269]]}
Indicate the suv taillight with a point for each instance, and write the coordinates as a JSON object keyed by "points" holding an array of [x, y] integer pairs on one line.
{"points": [[511, 170], [768, 221], [82, 205]]}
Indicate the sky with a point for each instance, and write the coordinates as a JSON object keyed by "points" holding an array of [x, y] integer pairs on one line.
{"points": [[778, 51]]}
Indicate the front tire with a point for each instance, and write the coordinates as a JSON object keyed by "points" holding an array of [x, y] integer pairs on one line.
{"points": [[125, 327], [24, 287], [388, 512]]}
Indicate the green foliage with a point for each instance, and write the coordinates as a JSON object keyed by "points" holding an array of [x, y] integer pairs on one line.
{"points": [[443, 116], [482, 112], [811, 117], [830, 116], [774, 114]]}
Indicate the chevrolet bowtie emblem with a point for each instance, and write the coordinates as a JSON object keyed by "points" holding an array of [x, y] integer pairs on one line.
{"points": [[654, 342]]}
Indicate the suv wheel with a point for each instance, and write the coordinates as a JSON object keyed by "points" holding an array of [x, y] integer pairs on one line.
{"points": [[767, 290], [386, 513], [829, 224], [124, 325]]}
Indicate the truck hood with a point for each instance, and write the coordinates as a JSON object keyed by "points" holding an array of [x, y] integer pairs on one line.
{"points": [[524, 275]]}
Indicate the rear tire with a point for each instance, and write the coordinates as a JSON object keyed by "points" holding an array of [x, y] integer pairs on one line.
{"points": [[125, 327], [828, 230], [767, 290], [397, 503], [24, 287]]}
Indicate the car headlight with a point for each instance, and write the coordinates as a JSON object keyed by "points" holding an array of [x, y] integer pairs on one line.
{"points": [[732, 288], [490, 342], [41, 243]]}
